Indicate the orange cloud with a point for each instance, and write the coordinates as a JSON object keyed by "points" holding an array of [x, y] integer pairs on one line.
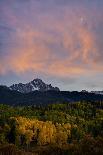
{"points": [[58, 47]]}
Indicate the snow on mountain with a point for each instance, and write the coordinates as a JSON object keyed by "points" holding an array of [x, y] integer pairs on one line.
{"points": [[97, 92], [36, 84]]}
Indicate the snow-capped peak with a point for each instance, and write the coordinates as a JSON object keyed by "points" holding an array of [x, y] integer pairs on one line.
{"points": [[36, 84]]}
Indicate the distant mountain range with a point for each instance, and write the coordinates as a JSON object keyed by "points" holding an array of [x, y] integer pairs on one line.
{"points": [[97, 92], [37, 92], [39, 85], [36, 84]]}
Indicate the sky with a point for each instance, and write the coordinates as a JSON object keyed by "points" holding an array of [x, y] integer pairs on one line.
{"points": [[58, 41]]}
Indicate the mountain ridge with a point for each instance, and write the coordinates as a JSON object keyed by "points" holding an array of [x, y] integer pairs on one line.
{"points": [[16, 98], [34, 85]]}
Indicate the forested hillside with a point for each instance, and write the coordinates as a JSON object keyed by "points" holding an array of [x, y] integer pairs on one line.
{"points": [[56, 129]]}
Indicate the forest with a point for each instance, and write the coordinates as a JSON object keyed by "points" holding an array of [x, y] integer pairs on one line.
{"points": [[55, 129]]}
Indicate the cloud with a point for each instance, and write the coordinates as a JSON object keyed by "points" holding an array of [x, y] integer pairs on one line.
{"points": [[61, 42]]}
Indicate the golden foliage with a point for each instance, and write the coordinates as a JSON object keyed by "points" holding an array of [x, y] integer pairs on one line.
{"points": [[44, 132]]}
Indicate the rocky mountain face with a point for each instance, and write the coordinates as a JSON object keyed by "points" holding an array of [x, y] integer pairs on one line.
{"points": [[36, 84], [97, 92]]}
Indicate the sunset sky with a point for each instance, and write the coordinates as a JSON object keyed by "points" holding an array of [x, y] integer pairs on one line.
{"points": [[59, 41]]}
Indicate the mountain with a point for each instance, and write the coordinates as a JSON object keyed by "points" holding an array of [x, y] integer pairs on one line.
{"points": [[37, 92], [97, 92], [36, 84], [16, 98]]}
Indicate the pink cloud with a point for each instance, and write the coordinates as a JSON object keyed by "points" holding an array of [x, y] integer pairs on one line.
{"points": [[36, 47]]}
